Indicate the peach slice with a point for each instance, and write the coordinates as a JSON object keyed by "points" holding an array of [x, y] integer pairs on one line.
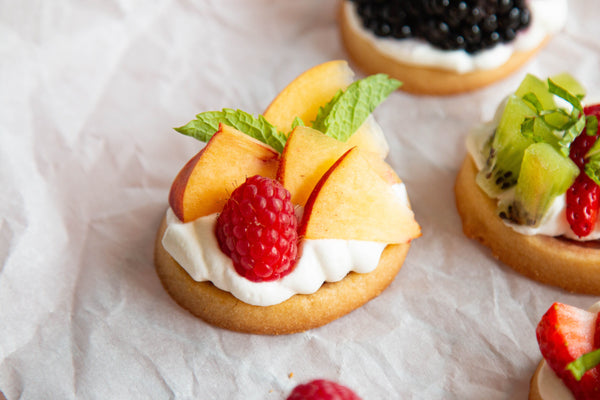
{"points": [[306, 157], [351, 201], [313, 89], [304, 95], [370, 137], [205, 183]]}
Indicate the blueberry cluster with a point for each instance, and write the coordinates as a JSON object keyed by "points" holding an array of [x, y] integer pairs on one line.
{"points": [[472, 25]]}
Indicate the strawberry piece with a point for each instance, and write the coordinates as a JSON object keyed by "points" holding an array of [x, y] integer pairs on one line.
{"points": [[257, 229], [321, 389], [583, 197], [564, 334], [583, 201]]}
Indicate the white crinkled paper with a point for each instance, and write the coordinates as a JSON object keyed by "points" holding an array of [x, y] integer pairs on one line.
{"points": [[89, 92]]}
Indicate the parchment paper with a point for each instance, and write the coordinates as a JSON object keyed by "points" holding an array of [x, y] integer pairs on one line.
{"points": [[89, 91]]}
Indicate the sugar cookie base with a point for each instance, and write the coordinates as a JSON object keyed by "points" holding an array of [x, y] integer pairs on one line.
{"points": [[568, 264], [534, 392], [297, 314], [418, 79]]}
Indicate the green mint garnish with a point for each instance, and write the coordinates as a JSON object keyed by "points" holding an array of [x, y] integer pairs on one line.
{"points": [[584, 363], [528, 131], [573, 129], [297, 122], [575, 100], [207, 123], [591, 125], [532, 99], [325, 111], [592, 169], [566, 125], [347, 111]]}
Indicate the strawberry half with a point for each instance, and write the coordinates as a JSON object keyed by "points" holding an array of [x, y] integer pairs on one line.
{"points": [[583, 197], [564, 334]]}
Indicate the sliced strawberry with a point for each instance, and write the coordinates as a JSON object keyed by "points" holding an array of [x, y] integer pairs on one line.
{"points": [[583, 197], [564, 334], [583, 202], [597, 334]]}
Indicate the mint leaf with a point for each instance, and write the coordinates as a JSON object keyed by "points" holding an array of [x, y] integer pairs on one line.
{"points": [[558, 119], [584, 363], [592, 169], [527, 128], [297, 122], [570, 134], [591, 125], [207, 123], [566, 125], [348, 110], [532, 99], [319, 122], [575, 100]]}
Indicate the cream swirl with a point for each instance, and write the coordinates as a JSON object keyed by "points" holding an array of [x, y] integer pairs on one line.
{"points": [[194, 246]]}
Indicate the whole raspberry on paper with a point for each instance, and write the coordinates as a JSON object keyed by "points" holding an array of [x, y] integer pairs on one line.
{"points": [[257, 229], [321, 389]]}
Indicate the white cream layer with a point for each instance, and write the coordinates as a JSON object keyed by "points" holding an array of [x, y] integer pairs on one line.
{"points": [[547, 18], [555, 221], [551, 387], [194, 246]]}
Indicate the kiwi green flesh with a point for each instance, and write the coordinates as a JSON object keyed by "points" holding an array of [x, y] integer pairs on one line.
{"points": [[503, 162], [545, 174]]}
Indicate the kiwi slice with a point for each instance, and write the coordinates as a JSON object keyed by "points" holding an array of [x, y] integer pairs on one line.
{"points": [[569, 83], [545, 174], [533, 84], [504, 154]]}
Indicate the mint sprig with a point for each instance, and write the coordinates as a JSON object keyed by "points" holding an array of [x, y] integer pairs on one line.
{"points": [[297, 122], [339, 118], [207, 123], [584, 363], [566, 125], [348, 110]]}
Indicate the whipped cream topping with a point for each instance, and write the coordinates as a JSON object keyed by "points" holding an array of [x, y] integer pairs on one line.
{"points": [[547, 18], [555, 221], [551, 387], [194, 246]]}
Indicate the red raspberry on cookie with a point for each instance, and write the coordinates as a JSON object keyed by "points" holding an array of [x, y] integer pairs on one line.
{"points": [[257, 229]]}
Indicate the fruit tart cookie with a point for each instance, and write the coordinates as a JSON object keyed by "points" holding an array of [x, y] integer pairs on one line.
{"points": [[447, 46], [276, 226], [569, 340], [528, 188]]}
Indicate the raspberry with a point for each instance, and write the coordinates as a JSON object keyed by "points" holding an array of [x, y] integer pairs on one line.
{"points": [[257, 230], [321, 389], [583, 197]]}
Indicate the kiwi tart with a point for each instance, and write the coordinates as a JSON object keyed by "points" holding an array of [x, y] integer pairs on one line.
{"points": [[529, 186]]}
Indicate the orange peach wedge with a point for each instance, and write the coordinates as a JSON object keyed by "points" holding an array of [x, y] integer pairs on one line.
{"points": [[314, 89], [306, 157], [351, 201], [205, 183], [304, 95]]}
